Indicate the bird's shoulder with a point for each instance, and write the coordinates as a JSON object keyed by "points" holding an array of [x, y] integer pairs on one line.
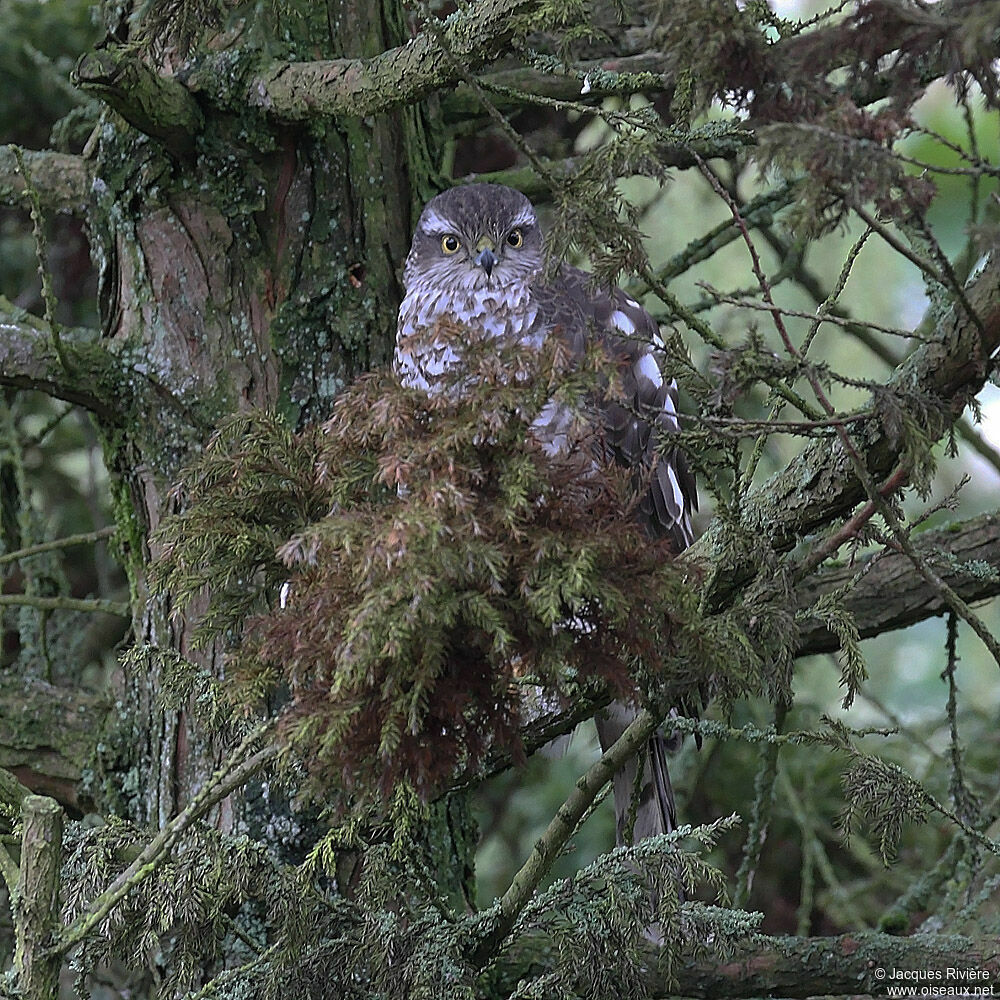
{"points": [[574, 301]]}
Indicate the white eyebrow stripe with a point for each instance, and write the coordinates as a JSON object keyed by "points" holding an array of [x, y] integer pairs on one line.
{"points": [[434, 223], [526, 217]]}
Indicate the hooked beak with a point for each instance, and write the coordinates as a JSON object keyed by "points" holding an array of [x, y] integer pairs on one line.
{"points": [[485, 258]]}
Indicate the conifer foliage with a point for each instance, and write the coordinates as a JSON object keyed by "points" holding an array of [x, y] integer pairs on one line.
{"points": [[432, 561]]}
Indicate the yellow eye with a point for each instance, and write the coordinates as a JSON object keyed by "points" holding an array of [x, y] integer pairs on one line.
{"points": [[450, 244], [515, 239]]}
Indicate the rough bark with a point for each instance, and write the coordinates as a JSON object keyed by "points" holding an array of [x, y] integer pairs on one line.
{"points": [[49, 737], [36, 906], [804, 967]]}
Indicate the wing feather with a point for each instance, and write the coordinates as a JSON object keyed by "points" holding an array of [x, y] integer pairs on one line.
{"points": [[650, 404]]}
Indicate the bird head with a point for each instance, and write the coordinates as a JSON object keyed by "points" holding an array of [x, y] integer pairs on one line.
{"points": [[475, 237]]}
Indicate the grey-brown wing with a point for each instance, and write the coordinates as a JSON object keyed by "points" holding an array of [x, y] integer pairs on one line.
{"points": [[629, 333]]}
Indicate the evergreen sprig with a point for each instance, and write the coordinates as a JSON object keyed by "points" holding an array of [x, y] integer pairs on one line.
{"points": [[431, 555]]}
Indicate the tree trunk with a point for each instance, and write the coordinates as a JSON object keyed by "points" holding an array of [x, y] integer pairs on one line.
{"points": [[250, 265]]}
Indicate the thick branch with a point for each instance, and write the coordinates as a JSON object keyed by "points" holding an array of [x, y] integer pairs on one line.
{"points": [[85, 375], [473, 36], [805, 967], [157, 105], [477, 35], [61, 180], [891, 595], [48, 738], [36, 911]]}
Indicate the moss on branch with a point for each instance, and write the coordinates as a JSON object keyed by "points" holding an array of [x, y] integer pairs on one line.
{"points": [[801, 966], [86, 375], [48, 739], [36, 908], [61, 180], [159, 106], [302, 91]]}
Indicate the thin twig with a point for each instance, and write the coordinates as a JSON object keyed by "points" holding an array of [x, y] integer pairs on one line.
{"points": [[699, 326], [875, 493], [237, 975], [120, 608], [823, 311], [860, 330], [41, 252], [746, 426], [960, 795], [849, 530], [815, 850], [759, 212], [898, 245], [760, 812], [58, 543], [779, 323], [826, 317]]}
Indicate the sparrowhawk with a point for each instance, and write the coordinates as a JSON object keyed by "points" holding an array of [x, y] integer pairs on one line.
{"points": [[476, 261]]}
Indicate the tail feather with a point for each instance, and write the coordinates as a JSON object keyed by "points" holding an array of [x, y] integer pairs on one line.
{"points": [[654, 809], [663, 790]]}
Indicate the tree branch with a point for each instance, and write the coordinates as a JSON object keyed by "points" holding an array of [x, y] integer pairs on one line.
{"points": [[156, 105], [95, 604], [48, 738], [36, 910], [679, 155], [819, 484], [298, 91], [86, 375], [603, 77], [562, 826], [232, 775], [891, 595], [848, 965], [58, 544], [63, 181]]}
